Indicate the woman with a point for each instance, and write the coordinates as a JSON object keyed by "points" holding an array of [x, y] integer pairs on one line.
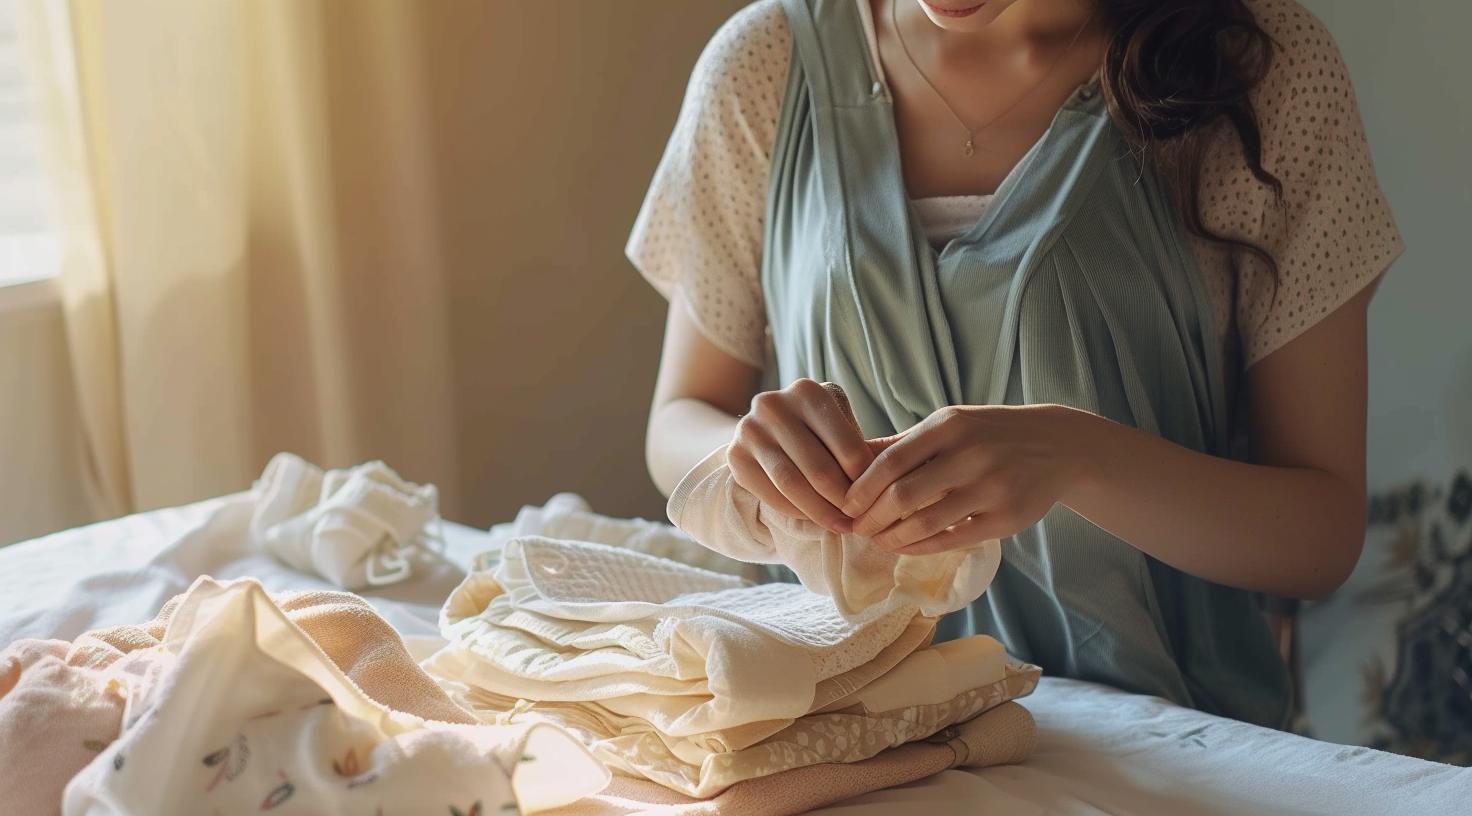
{"points": [[1062, 255]]}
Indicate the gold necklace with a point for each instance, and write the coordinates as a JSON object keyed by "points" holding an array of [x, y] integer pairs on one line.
{"points": [[969, 147]]}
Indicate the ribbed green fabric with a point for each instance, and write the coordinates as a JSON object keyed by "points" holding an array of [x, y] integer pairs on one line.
{"points": [[1077, 287]]}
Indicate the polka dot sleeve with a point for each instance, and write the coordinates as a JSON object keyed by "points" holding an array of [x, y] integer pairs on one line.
{"points": [[1331, 233], [698, 237]]}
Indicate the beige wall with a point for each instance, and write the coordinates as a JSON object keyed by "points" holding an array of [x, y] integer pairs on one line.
{"points": [[554, 129], [40, 478], [548, 120]]}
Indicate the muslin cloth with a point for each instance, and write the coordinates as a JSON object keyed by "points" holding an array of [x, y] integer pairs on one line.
{"points": [[860, 578]]}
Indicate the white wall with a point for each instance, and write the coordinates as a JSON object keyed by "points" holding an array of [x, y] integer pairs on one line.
{"points": [[1412, 70]]}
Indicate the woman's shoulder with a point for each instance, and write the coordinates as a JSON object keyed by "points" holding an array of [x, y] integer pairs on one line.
{"points": [[1306, 63], [750, 50], [1330, 232]]}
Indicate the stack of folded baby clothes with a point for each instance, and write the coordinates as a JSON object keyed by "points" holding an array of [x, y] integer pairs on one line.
{"points": [[694, 678]]}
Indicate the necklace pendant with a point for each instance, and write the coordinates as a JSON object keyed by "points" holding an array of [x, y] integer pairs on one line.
{"points": [[968, 149]]}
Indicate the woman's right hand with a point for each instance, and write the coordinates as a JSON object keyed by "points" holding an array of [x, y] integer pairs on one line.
{"points": [[798, 450]]}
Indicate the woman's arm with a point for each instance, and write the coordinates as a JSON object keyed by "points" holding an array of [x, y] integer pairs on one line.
{"points": [[795, 449], [700, 392], [1291, 523]]}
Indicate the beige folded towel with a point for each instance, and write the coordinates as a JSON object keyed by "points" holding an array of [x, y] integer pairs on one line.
{"points": [[1003, 735], [847, 735]]}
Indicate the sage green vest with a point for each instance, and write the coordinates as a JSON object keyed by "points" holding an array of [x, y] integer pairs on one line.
{"points": [[1076, 287]]}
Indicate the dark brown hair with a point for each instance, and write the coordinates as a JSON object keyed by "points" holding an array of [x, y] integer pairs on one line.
{"points": [[1175, 67]]}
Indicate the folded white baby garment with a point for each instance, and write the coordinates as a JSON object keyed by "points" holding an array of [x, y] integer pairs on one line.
{"points": [[861, 579], [355, 527], [568, 516], [694, 653]]}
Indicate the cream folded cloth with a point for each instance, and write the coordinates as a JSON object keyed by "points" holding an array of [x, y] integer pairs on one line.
{"points": [[694, 653], [355, 527], [860, 578], [851, 733], [1003, 735], [237, 709], [568, 516]]}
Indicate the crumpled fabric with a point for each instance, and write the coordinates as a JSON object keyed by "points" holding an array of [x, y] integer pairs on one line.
{"points": [[238, 710], [355, 527]]}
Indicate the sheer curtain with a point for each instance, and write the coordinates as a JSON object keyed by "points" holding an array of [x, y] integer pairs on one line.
{"points": [[251, 261]]}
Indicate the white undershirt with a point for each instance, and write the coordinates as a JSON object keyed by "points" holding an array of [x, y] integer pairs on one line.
{"points": [[945, 218]]}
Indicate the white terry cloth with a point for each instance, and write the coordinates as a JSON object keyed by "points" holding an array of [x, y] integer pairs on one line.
{"points": [[355, 527], [860, 578], [569, 516], [237, 710], [690, 651]]}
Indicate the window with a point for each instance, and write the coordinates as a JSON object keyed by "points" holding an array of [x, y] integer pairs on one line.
{"points": [[28, 246]]}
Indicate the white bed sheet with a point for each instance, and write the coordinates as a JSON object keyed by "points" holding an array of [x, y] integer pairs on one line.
{"points": [[1100, 750]]}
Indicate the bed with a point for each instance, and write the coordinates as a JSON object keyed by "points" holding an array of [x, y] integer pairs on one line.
{"points": [[1100, 750]]}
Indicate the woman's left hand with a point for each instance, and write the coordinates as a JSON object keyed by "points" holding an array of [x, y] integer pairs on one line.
{"points": [[967, 474]]}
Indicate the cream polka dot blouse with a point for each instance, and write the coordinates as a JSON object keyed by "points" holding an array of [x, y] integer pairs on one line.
{"points": [[699, 233]]}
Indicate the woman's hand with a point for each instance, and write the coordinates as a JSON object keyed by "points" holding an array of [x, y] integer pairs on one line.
{"points": [[964, 475], [799, 450]]}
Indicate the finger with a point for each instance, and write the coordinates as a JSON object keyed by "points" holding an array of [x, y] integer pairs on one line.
{"points": [[834, 423], [880, 444], [750, 475], [906, 453], [964, 534], [791, 483], [911, 492], [812, 457], [932, 520]]}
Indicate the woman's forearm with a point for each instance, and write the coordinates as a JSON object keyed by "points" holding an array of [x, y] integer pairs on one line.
{"points": [[681, 433], [1294, 532]]}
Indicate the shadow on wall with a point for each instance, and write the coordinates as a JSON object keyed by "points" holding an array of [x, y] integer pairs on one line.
{"points": [[550, 125]]}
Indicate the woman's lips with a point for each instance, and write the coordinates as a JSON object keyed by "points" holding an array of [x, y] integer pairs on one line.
{"points": [[961, 12]]}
